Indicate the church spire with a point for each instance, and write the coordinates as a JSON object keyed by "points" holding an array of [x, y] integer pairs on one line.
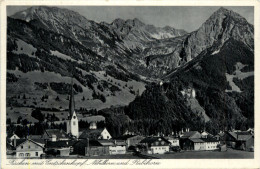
{"points": [[72, 101]]}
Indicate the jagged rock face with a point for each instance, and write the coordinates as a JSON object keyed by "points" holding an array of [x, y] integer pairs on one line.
{"points": [[143, 49], [222, 25], [122, 40]]}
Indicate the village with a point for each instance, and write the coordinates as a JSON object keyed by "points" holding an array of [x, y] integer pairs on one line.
{"points": [[97, 142]]}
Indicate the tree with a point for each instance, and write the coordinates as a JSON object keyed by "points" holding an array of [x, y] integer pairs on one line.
{"points": [[57, 98], [37, 114], [19, 120], [25, 122], [102, 98], [8, 121]]}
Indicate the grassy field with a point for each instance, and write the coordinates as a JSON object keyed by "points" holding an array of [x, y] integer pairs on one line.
{"points": [[230, 154]]}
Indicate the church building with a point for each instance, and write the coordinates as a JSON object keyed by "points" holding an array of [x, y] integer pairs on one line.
{"points": [[72, 121]]}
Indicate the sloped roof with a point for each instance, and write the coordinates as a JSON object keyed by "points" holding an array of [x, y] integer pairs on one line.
{"points": [[241, 136], [35, 136], [171, 137], [189, 134], [40, 141], [150, 140], [244, 137], [209, 139], [196, 140], [90, 133], [112, 142], [9, 135], [120, 143], [57, 132], [59, 144], [221, 134], [125, 137], [106, 142], [21, 141], [90, 143]]}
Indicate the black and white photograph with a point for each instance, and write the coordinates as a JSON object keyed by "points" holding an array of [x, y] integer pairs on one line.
{"points": [[130, 82]]}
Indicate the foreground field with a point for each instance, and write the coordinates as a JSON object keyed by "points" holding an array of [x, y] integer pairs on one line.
{"points": [[230, 154]]}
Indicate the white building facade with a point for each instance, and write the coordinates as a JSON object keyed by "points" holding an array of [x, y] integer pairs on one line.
{"points": [[29, 149]]}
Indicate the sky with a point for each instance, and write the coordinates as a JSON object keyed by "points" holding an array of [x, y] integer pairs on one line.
{"points": [[188, 18]]}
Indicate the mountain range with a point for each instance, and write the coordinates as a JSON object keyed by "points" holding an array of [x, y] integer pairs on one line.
{"points": [[160, 75]]}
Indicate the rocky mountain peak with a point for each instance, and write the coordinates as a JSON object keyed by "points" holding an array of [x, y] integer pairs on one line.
{"points": [[135, 22], [221, 25], [223, 13]]}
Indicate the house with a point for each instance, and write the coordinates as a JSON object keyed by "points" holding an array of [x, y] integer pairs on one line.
{"points": [[185, 140], [191, 134], [205, 134], [156, 145], [240, 140], [27, 148], [194, 140], [173, 140], [221, 137], [131, 140], [114, 146], [194, 144], [55, 135], [211, 143], [12, 136], [94, 134], [59, 148], [90, 148]]}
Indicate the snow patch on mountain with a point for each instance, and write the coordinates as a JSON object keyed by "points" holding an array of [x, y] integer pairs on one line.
{"points": [[215, 52], [162, 35]]}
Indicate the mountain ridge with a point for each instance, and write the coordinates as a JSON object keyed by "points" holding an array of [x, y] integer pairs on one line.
{"points": [[123, 60]]}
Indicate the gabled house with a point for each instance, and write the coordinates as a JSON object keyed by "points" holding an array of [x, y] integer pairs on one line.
{"points": [[55, 135], [12, 136], [27, 148], [114, 146], [59, 148], [240, 140], [131, 140], [221, 137], [186, 142], [95, 134], [90, 148], [191, 134], [156, 145], [175, 141], [194, 140], [205, 134], [210, 143]]}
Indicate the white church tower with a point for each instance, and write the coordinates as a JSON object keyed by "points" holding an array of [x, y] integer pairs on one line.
{"points": [[72, 121]]}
